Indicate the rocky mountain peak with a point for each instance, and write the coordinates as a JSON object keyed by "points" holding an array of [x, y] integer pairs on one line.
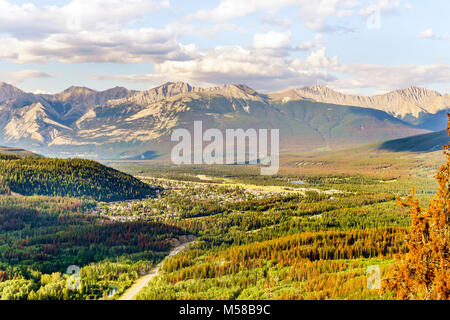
{"points": [[8, 92], [164, 91], [79, 117], [417, 94], [318, 89], [169, 89], [418, 91], [245, 89], [76, 91], [236, 91]]}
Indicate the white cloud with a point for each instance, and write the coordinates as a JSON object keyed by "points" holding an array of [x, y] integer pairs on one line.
{"points": [[381, 7], [30, 21], [272, 40], [392, 77], [206, 31], [97, 46], [22, 75], [317, 44], [313, 13], [316, 13], [429, 34], [86, 31], [255, 65], [277, 22], [305, 46], [152, 79], [39, 91], [231, 9], [318, 59], [108, 31], [263, 71]]}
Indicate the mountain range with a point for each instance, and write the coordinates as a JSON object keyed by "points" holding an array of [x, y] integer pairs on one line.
{"points": [[418, 106], [124, 124]]}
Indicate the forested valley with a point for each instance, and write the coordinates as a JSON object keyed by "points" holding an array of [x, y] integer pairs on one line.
{"points": [[289, 236]]}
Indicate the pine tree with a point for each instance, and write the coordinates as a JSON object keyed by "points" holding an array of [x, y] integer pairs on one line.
{"points": [[424, 271]]}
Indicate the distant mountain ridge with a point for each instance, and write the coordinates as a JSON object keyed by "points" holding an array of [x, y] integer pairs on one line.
{"points": [[164, 91], [414, 105], [124, 124], [16, 152]]}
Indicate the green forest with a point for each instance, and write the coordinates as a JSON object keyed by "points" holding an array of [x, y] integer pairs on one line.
{"points": [[42, 236], [289, 236], [68, 177]]}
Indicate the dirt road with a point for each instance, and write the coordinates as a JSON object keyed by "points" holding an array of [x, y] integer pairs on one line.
{"points": [[143, 281]]}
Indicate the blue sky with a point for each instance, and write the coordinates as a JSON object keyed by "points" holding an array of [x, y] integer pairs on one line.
{"points": [[354, 46]]}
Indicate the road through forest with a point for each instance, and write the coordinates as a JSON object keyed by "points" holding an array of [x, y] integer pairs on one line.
{"points": [[143, 281]]}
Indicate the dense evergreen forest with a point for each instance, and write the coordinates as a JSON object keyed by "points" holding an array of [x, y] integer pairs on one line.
{"points": [[280, 237], [68, 177], [312, 246], [40, 237]]}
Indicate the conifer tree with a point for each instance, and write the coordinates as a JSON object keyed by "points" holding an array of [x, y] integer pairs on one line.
{"points": [[424, 271]]}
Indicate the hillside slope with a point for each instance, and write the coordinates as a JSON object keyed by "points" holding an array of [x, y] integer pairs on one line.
{"points": [[69, 177], [16, 152], [429, 142], [346, 126]]}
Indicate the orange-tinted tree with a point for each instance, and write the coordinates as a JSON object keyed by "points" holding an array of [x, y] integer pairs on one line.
{"points": [[424, 271]]}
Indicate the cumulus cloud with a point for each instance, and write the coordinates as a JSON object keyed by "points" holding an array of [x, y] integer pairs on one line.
{"points": [[86, 31], [22, 75], [260, 65], [273, 43], [427, 34], [318, 59], [237, 64], [109, 31], [30, 21], [316, 13], [98, 46]]}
